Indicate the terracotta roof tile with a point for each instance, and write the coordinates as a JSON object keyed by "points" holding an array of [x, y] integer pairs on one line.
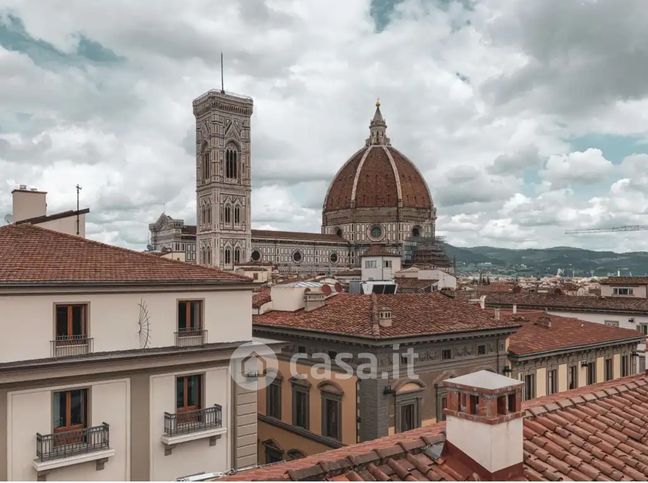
{"points": [[563, 333], [412, 315], [297, 235], [32, 255], [560, 443], [569, 302]]}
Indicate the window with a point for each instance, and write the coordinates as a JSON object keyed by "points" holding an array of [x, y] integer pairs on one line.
{"points": [[481, 350], [446, 354], [333, 257], [206, 163], [407, 415], [376, 231], [442, 404], [297, 256], [529, 386], [572, 376], [273, 453], [231, 163], [370, 263], [623, 291], [612, 323], [552, 381], [228, 255], [71, 323], [237, 214], [416, 231], [387, 263], [190, 316], [70, 414], [591, 372], [609, 373], [301, 404], [273, 399], [228, 214], [256, 255], [625, 365], [188, 397], [643, 328], [331, 415], [237, 255]]}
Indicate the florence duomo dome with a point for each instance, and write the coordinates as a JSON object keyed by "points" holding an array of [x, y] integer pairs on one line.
{"points": [[378, 195]]}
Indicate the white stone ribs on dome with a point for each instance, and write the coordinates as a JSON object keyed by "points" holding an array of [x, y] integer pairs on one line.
{"points": [[328, 191], [396, 175], [357, 175]]}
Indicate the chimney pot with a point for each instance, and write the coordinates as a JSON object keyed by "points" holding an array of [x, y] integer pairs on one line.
{"points": [[484, 423]]}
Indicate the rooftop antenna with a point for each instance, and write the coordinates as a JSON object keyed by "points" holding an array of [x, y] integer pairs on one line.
{"points": [[78, 190], [222, 77]]}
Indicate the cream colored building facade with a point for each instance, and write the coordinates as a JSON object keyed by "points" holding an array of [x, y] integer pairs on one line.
{"points": [[140, 385]]}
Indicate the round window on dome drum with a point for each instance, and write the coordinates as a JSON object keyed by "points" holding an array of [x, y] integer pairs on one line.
{"points": [[256, 255], [416, 231], [376, 232], [297, 256], [333, 257]]}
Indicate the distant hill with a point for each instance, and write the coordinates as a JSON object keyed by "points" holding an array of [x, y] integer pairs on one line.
{"points": [[547, 261]]}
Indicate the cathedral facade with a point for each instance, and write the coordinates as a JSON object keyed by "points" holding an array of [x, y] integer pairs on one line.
{"points": [[377, 197]]}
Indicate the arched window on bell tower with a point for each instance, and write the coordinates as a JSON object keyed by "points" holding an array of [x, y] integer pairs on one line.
{"points": [[228, 213], [237, 255], [237, 214], [232, 161], [206, 162]]}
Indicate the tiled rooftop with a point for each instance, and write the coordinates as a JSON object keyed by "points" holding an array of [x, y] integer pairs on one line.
{"points": [[597, 432], [569, 302], [31, 255], [625, 281], [535, 335], [412, 315]]}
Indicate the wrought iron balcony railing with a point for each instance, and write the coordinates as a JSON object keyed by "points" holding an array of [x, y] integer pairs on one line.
{"points": [[192, 421], [190, 337], [71, 345], [69, 443]]}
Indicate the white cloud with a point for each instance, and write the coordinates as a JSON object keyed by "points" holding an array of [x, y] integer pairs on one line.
{"points": [[483, 100]]}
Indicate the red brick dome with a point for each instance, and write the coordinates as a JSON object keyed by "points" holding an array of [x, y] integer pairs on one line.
{"points": [[378, 176]]}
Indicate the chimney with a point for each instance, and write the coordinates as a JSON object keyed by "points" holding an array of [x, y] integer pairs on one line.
{"points": [[384, 317], [313, 300], [514, 309], [544, 320], [498, 314], [28, 203], [484, 424], [482, 302]]}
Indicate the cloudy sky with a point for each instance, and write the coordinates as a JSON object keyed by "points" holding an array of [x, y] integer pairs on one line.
{"points": [[526, 117]]}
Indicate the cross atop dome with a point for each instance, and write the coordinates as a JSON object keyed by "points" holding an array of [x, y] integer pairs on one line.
{"points": [[378, 128]]}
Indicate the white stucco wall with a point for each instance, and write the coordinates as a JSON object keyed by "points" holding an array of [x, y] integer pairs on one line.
{"points": [[30, 412], [194, 456], [113, 320], [66, 225], [494, 446], [380, 272], [638, 291]]}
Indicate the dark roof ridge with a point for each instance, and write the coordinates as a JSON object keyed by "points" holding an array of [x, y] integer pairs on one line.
{"points": [[53, 216]]}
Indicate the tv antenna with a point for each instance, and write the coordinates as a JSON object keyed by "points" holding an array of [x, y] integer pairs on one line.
{"points": [[8, 219], [78, 190]]}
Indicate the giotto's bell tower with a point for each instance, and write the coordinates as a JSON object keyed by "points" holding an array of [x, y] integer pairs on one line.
{"points": [[223, 179]]}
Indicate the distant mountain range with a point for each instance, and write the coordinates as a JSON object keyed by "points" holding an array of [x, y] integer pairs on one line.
{"points": [[547, 261]]}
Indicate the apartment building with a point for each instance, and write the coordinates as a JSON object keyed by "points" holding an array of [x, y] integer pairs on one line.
{"points": [[115, 365], [622, 312], [624, 287], [304, 412], [552, 354]]}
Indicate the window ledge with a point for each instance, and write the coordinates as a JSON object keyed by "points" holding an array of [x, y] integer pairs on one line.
{"points": [[42, 466], [183, 438]]}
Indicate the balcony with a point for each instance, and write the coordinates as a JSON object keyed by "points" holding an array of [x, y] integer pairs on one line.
{"points": [[71, 345], [193, 425], [67, 448], [190, 337]]}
